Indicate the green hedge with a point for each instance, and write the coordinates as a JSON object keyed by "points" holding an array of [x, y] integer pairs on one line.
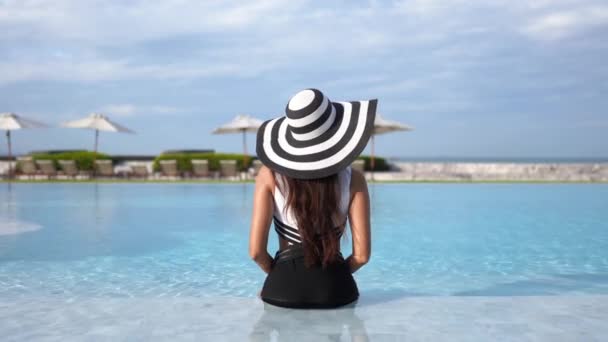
{"points": [[380, 163], [83, 159], [184, 163]]}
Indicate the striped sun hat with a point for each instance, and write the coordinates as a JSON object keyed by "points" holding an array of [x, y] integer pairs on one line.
{"points": [[317, 137]]}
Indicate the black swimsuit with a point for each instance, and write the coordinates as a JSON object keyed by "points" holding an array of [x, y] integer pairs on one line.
{"points": [[292, 284]]}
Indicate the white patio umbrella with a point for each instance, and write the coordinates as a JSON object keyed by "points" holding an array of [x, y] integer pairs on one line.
{"points": [[97, 122], [382, 126], [10, 122], [240, 124]]}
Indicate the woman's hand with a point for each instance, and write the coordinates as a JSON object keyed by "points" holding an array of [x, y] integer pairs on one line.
{"points": [[264, 260], [355, 263]]}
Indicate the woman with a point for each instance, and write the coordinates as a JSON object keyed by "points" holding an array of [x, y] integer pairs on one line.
{"points": [[308, 189]]}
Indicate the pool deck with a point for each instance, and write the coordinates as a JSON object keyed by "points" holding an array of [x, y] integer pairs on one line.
{"points": [[410, 172], [541, 318]]}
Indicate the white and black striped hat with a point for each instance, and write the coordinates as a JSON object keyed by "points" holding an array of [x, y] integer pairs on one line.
{"points": [[317, 137]]}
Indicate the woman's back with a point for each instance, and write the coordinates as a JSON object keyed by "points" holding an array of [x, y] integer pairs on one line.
{"points": [[309, 190], [285, 220], [291, 281]]}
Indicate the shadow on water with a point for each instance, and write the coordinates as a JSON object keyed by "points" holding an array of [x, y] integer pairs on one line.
{"points": [[86, 220], [586, 277], [246, 198], [297, 324], [376, 297], [555, 284], [8, 197], [87, 235], [125, 245]]}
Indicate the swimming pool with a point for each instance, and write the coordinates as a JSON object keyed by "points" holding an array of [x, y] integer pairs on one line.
{"points": [[154, 242]]}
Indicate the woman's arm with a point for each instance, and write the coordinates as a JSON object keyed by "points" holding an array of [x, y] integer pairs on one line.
{"points": [[358, 216], [261, 219]]}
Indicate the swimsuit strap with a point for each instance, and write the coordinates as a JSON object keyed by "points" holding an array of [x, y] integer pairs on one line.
{"points": [[284, 221], [292, 235]]}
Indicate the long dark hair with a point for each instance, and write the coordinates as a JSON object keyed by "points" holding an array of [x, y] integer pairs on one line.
{"points": [[315, 204]]}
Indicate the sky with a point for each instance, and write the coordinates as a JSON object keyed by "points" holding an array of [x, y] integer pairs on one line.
{"points": [[475, 78]]}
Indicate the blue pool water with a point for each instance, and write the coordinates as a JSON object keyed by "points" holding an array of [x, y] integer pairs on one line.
{"points": [[190, 240]]}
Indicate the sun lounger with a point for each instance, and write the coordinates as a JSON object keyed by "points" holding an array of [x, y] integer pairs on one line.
{"points": [[140, 171], [47, 168], [358, 165], [69, 168], [200, 167], [168, 168], [104, 168], [228, 169], [27, 167]]}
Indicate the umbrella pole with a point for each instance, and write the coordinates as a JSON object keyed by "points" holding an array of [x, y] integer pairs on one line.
{"points": [[10, 154], [372, 161], [95, 150]]}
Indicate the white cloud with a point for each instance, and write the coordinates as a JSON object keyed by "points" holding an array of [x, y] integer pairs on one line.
{"points": [[127, 110], [92, 70], [120, 110], [117, 22], [118, 69], [72, 40], [557, 25]]}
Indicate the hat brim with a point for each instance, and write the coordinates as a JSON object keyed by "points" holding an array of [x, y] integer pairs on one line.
{"points": [[324, 155]]}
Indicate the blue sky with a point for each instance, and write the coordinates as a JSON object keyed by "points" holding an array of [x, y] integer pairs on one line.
{"points": [[476, 78]]}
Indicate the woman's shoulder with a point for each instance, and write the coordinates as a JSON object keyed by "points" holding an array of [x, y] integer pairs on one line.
{"points": [[357, 181], [265, 177]]}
